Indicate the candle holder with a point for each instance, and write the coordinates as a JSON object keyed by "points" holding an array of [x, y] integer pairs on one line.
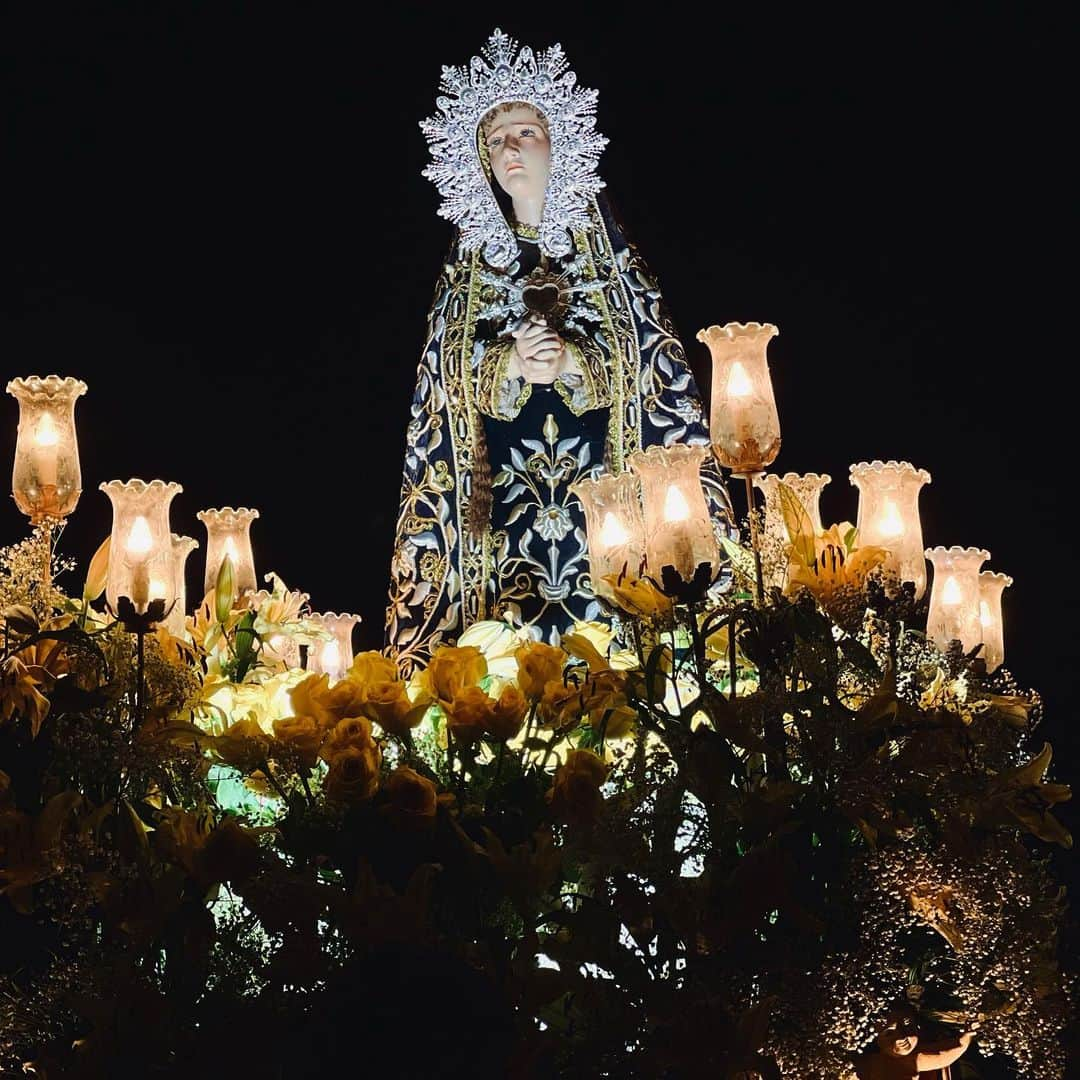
{"points": [[182, 547], [991, 586], [141, 562], [47, 480], [743, 422], [333, 656], [614, 526], [954, 597], [678, 528], [889, 515], [808, 489], [228, 532]]}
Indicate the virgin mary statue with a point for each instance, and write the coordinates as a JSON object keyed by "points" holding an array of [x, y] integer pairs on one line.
{"points": [[549, 357]]}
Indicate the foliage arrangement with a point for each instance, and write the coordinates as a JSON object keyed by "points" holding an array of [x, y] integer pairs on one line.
{"points": [[722, 840]]}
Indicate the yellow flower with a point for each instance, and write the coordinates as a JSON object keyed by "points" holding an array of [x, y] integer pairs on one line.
{"points": [[452, 670], [411, 799], [560, 704], [837, 565], [303, 735], [369, 668], [354, 774], [508, 714], [354, 731], [604, 696], [498, 642], [538, 665], [575, 791], [244, 745], [640, 597], [309, 698], [388, 705], [470, 714]]}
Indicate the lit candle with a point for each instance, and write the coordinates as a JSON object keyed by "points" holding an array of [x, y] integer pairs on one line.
{"points": [[954, 599], [890, 524], [139, 542], [677, 511], [739, 384], [330, 658], [46, 440], [613, 532], [951, 593]]}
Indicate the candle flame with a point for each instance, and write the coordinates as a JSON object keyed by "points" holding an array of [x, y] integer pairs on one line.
{"points": [[46, 433], [140, 540], [330, 657], [231, 550], [613, 532], [951, 593], [739, 384], [986, 616], [890, 524], [158, 589], [676, 508]]}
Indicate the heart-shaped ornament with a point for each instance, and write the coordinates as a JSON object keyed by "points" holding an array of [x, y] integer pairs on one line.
{"points": [[542, 299]]}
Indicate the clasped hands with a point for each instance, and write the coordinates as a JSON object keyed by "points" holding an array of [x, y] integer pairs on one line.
{"points": [[539, 353]]}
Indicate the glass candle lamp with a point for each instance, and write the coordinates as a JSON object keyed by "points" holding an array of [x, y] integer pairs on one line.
{"points": [[46, 481], [889, 515], [678, 529], [807, 488], [228, 532], [614, 526], [182, 547], [333, 655], [991, 586], [743, 423], [954, 598], [141, 561]]}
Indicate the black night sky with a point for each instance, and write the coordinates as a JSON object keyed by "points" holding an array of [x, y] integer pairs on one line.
{"points": [[215, 216]]}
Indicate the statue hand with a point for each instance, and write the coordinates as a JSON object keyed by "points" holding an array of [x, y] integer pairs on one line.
{"points": [[540, 351]]}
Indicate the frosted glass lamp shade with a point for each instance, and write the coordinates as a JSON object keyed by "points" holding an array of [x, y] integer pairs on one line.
{"points": [[889, 515], [807, 488], [141, 561], [743, 422], [614, 526], [46, 480], [991, 586], [228, 532], [182, 547], [954, 597], [678, 529], [333, 656]]}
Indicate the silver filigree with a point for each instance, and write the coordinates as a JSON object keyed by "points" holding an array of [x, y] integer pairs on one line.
{"points": [[467, 94]]}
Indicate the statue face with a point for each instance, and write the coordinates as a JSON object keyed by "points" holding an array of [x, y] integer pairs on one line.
{"points": [[900, 1035], [520, 153]]}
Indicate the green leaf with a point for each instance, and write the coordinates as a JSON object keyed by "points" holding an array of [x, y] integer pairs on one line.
{"points": [[800, 528]]}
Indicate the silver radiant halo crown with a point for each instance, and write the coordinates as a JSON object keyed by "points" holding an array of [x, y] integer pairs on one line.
{"points": [[467, 94]]}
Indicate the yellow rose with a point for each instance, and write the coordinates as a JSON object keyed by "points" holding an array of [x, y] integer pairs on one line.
{"points": [[303, 735], [372, 667], [470, 714], [244, 745], [344, 699], [353, 775], [452, 670], [575, 791], [507, 715], [309, 699], [538, 665], [559, 704], [604, 694], [354, 731], [388, 705], [412, 799]]}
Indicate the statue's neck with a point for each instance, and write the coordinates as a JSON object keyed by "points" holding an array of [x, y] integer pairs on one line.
{"points": [[529, 211]]}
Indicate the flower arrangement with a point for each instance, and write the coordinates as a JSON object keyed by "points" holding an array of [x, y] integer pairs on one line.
{"points": [[720, 839]]}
